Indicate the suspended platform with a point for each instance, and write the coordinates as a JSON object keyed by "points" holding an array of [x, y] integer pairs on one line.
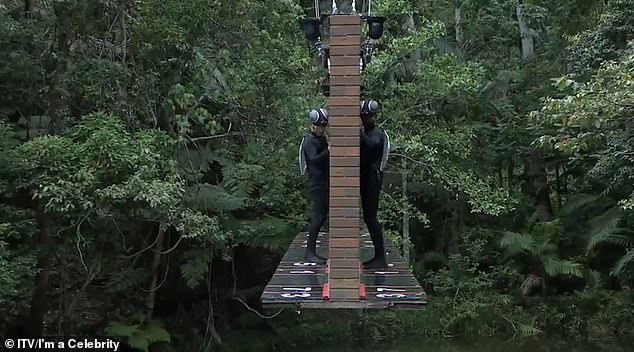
{"points": [[298, 284]]}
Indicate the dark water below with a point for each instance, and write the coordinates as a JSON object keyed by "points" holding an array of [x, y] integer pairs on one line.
{"points": [[485, 345]]}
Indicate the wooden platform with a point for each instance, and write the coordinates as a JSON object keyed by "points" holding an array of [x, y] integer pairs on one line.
{"points": [[299, 284]]}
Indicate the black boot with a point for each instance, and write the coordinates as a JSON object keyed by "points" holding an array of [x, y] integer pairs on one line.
{"points": [[313, 257], [311, 251], [378, 262]]}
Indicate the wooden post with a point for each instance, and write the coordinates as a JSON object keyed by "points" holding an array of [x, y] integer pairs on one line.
{"points": [[345, 80]]}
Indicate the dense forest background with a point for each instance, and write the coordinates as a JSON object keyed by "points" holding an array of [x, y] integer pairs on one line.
{"points": [[149, 183]]}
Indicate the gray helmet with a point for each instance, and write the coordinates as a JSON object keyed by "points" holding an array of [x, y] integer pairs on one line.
{"points": [[318, 117], [369, 107]]}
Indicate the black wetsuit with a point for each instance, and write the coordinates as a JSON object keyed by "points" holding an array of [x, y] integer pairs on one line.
{"points": [[315, 149], [373, 140]]}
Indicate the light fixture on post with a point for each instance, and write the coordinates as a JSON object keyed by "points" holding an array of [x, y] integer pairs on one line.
{"points": [[375, 32], [375, 26], [311, 28]]}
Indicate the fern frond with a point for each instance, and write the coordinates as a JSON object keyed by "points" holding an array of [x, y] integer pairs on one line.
{"points": [[619, 240], [515, 243], [555, 267], [578, 202], [212, 197], [270, 233], [434, 257], [604, 227], [527, 330], [503, 300], [593, 278], [623, 262], [194, 160], [127, 279], [195, 265], [242, 179]]}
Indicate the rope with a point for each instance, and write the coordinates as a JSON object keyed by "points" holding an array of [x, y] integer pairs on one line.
{"points": [[369, 7], [316, 8]]}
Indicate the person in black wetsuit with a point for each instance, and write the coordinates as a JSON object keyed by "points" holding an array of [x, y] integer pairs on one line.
{"points": [[315, 152], [373, 141]]}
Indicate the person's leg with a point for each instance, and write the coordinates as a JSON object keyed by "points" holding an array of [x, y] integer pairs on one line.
{"points": [[370, 202], [319, 216]]}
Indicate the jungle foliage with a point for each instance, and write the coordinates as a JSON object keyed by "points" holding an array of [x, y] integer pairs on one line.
{"points": [[149, 182]]}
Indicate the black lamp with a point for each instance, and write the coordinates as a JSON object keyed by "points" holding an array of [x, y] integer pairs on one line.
{"points": [[310, 26], [375, 26]]}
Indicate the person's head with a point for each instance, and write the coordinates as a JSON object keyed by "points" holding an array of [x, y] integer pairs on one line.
{"points": [[369, 108], [318, 121]]}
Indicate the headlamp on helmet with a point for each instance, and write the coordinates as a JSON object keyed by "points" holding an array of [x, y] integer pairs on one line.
{"points": [[318, 117], [369, 107]]}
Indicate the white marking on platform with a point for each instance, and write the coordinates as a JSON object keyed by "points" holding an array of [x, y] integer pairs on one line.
{"points": [[306, 289], [295, 295], [390, 295], [382, 289]]}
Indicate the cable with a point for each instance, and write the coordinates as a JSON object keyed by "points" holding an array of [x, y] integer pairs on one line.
{"points": [[258, 313], [235, 286]]}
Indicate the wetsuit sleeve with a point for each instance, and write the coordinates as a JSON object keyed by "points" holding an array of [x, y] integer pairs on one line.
{"points": [[316, 159]]}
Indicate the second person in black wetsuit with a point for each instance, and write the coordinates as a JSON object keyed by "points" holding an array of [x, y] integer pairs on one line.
{"points": [[373, 141], [315, 151]]}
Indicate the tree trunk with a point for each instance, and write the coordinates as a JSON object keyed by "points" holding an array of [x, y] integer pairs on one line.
{"points": [[39, 304], [534, 168], [510, 166], [458, 25], [408, 26], [537, 187], [406, 237], [150, 301], [525, 32], [28, 8]]}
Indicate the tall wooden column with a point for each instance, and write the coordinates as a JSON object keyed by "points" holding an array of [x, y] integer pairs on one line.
{"points": [[345, 81]]}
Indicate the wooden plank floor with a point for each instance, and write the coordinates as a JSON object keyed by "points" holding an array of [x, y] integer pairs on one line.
{"points": [[298, 284]]}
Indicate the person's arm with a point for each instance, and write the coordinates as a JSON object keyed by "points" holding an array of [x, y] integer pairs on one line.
{"points": [[316, 159], [372, 141]]}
